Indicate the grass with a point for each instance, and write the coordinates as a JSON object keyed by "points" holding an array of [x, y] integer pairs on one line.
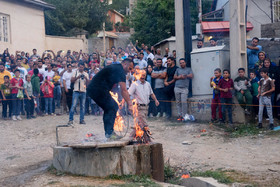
{"points": [[170, 175], [134, 180], [54, 171], [219, 175]]}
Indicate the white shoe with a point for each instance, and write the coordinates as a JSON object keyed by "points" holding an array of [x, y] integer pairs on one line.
{"points": [[19, 118], [14, 118]]}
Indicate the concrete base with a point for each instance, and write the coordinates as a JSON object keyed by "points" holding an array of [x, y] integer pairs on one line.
{"points": [[102, 162], [200, 107]]}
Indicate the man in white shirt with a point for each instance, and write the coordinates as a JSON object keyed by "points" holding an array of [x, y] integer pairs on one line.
{"points": [[141, 90], [67, 85], [150, 55], [142, 63], [49, 72]]}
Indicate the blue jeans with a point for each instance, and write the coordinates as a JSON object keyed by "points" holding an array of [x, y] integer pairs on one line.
{"points": [[57, 95], [48, 105], [16, 105], [227, 106], [81, 96]]}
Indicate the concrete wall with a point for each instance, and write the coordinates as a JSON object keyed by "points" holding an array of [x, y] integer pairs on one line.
{"points": [[121, 41], [27, 27], [271, 30], [57, 43]]}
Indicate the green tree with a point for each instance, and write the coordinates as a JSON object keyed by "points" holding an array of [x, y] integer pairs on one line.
{"points": [[120, 6], [154, 20], [75, 14]]}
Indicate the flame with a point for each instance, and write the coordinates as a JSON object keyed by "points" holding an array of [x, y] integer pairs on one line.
{"points": [[185, 176], [138, 131], [119, 122]]}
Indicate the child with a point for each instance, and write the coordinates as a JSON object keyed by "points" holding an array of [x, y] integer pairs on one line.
{"points": [[216, 101], [29, 98], [254, 90], [225, 87], [266, 88], [7, 97], [57, 89], [242, 86], [17, 87], [47, 88]]}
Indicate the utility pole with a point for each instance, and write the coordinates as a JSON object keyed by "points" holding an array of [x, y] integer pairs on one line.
{"points": [[271, 10], [104, 38], [199, 6], [238, 46], [187, 31]]}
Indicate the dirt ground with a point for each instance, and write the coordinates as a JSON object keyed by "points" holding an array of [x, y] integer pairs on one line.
{"points": [[26, 150]]}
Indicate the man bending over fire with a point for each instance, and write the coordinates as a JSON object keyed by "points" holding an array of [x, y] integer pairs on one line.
{"points": [[141, 90], [99, 90]]}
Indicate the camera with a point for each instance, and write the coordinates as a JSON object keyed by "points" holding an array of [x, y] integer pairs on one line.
{"points": [[82, 76]]}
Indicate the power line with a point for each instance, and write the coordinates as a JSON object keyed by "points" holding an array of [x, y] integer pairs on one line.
{"points": [[261, 9]]}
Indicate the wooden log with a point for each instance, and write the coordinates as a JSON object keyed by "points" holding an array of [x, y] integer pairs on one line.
{"points": [[157, 162]]}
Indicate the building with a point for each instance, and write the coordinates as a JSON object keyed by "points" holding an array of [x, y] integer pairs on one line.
{"points": [[116, 19], [22, 27], [258, 13]]}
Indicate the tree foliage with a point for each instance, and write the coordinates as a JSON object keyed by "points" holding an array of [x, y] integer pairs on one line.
{"points": [[154, 20], [75, 14], [120, 6]]}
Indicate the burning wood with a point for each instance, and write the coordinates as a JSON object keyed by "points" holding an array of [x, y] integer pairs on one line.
{"points": [[119, 121]]}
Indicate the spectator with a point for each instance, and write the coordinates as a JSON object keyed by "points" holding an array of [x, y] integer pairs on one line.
{"points": [[213, 42], [182, 77], [266, 88], [252, 53], [200, 43], [242, 86], [115, 60], [80, 80], [150, 54], [67, 85], [7, 98], [159, 74], [35, 54], [29, 98], [35, 81], [158, 54], [142, 63], [57, 89], [169, 84], [167, 52], [254, 90], [3, 73], [49, 72], [47, 88], [17, 95], [216, 101], [226, 86]]}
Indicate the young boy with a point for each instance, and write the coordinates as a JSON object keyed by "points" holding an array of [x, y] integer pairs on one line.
{"points": [[226, 86], [7, 97], [216, 101], [29, 98], [266, 88], [242, 86], [254, 90], [16, 86], [47, 89], [57, 90]]}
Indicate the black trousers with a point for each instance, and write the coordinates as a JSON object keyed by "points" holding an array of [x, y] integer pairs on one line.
{"points": [[106, 102], [29, 106], [69, 95]]}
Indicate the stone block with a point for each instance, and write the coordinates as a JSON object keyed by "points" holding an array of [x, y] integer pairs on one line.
{"points": [[102, 162]]}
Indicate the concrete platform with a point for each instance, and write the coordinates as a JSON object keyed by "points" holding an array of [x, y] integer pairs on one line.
{"points": [[104, 160]]}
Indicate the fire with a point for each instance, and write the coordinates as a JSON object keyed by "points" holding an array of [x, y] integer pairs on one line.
{"points": [[119, 122], [185, 176], [137, 74], [138, 131]]}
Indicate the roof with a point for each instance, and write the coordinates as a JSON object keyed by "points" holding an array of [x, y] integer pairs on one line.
{"points": [[172, 39], [40, 3], [220, 26], [107, 34], [116, 12]]}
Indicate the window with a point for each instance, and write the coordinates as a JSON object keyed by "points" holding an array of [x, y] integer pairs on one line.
{"points": [[4, 28]]}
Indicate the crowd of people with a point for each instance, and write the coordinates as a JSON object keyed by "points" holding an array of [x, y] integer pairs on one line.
{"points": [[254, 93], [55, 83]]}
